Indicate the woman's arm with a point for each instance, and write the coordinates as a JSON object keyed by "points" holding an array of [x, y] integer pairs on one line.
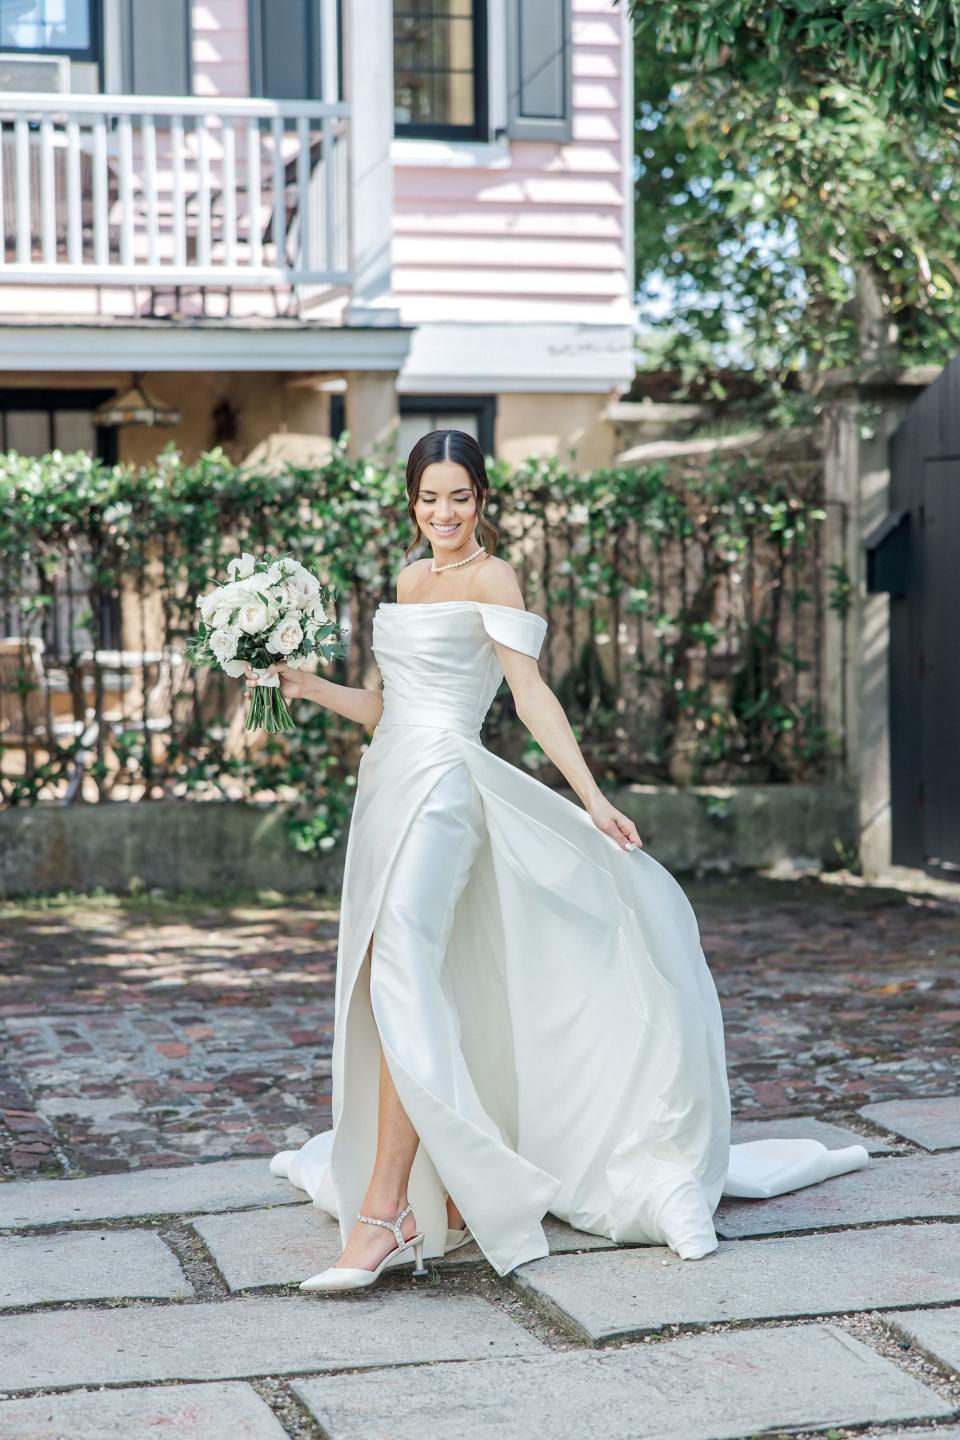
{"points": [[543, 715], [364, 706]]}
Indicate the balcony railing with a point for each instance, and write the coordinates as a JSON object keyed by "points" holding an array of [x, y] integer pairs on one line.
{"points": [[120, 190]]}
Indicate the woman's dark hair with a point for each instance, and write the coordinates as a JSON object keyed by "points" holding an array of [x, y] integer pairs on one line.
{"points": [[459, 448]]}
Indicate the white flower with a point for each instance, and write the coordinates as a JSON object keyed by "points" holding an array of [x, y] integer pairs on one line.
{"points": [[234, 668], [285, 637], [298, 662], [254, 617], [314, 608], [221, 616], [301, 582], [276, 596], [240, 569], [209, 604], [310, 629], [224, 643], [273, 574]]}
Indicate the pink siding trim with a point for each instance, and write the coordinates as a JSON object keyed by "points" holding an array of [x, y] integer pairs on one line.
{"points": [[546, 230], [220, 48]]}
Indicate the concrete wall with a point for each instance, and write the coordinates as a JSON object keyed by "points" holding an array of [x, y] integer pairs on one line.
{"points": [[217, 846], [554, 425]]}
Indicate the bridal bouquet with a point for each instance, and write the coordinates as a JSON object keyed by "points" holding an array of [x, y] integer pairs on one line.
{"points": [[269, 611]]}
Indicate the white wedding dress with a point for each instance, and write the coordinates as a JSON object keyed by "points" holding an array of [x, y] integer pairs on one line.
{"points": [[541, 995]]}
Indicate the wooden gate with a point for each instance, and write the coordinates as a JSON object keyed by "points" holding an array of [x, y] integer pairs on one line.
{"points": [[925, 628]]}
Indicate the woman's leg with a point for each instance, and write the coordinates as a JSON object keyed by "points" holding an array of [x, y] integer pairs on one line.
{"points": [[386, 1194]]}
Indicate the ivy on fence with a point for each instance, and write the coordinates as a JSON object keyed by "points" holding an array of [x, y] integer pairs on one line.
{"points": [[686, 613]]}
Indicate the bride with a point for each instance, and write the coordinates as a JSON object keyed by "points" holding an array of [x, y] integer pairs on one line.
{"points": [[525, 1021]]}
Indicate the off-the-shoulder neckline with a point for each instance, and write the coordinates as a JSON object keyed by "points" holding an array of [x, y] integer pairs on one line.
{"points": [[437, 604]]}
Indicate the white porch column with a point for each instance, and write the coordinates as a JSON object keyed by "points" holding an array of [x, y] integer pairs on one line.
{"points": [[368, 82]]}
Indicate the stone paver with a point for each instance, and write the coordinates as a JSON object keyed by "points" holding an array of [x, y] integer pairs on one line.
{"points": [[630, 1292], [230, 1411], [806, 1127], [178, 1190], [275, 1247], [935, 1331], [909, 1188], [704, 1387], [397, 1324], [88, 1265], [932, 1121]]}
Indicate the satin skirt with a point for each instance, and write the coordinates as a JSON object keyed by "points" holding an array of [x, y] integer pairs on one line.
{"points": [[546, 1011]]}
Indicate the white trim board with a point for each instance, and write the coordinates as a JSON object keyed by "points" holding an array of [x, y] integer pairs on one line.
{"points": [[164, 347], [474, 359]]}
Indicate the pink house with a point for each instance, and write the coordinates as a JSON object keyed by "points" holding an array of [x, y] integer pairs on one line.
{"points": [[294, 218]]}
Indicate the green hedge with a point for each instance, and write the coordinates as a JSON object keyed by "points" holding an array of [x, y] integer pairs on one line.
{"points": [[686, 608]]}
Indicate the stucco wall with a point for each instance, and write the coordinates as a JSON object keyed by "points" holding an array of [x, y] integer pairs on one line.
{"points": [[208, 848]]}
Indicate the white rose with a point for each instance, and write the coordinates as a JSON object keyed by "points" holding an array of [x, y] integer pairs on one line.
{"points": [[234, 668], [210, 604], [254, 617], [273, 575], [315, 608], [303, 582], [294, 598], [224, 643], [299, 662], [286, 636], [240, 568], [221, 616]]}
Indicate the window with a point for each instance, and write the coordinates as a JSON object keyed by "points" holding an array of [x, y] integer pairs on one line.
{"points": [[420, 414], [33, 422], [439, 68], [285, 60], [55, 27]]}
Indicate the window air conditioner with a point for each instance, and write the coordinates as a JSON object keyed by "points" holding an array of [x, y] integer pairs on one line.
{"points": [[35, 74]]}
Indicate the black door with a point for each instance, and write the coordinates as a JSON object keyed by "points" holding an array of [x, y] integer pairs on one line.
{"points": [[925, 632]]}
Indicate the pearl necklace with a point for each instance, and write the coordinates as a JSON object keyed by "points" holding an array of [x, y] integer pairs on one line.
{"points": [[435, 568]]}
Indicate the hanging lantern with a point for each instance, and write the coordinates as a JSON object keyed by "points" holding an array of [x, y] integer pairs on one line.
{"points": [[135, 406]]}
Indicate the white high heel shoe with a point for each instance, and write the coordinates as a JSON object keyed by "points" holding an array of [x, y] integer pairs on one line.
{"points": [[344, 1277], [456, 1238]]}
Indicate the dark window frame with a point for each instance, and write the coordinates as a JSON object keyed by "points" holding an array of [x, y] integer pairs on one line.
{"points": [[483, 406], [49, 400], [256, 14], [480, 129], [92, 52], [127, 55]]}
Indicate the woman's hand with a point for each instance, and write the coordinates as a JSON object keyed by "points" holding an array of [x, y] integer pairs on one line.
{"points": [[294, 684], [614, 823]]}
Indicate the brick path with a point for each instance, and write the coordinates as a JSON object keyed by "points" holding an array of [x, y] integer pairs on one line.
{"points": [[153, 1034]]}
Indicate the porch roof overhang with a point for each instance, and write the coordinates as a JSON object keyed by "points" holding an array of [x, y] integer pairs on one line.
{"points": [[150, 346]]}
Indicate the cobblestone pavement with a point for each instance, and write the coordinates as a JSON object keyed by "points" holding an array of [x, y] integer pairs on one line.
{"points": [[157, 1049], [150, 1033]]}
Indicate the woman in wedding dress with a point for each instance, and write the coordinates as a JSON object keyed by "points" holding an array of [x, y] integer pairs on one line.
{"points": [[525, 1021]]}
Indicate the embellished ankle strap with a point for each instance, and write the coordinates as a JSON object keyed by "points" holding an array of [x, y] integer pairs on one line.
{"points": [[393, 1225]]}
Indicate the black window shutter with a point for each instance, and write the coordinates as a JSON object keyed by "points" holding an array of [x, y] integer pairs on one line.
{"points": [[539, 71], [156, 47], [285, 49]]}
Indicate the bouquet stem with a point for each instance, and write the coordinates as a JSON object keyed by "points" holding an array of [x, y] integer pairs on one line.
{"points": [[268, 711]]}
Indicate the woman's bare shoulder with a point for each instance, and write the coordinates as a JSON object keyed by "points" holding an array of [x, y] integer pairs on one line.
{"points": [[496, 583], [408, 578]]}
